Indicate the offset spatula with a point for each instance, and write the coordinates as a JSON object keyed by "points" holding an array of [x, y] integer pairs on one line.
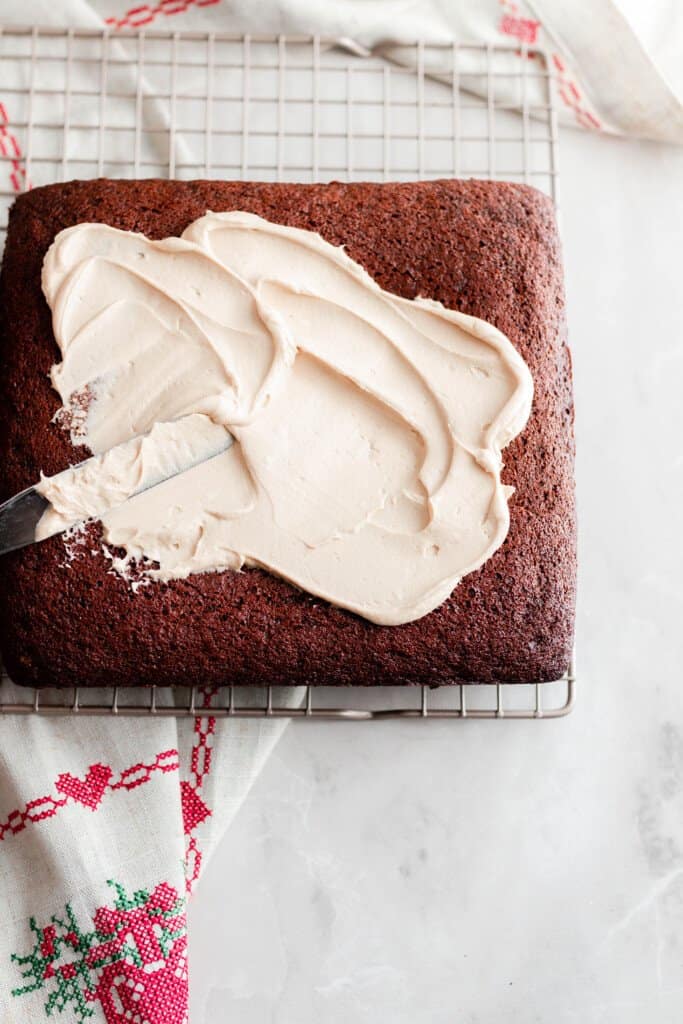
{"points": [[20, 516]]}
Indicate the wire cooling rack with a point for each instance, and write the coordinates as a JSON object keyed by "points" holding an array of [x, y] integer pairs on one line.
{"points": [[539, 700], [85, 103]]}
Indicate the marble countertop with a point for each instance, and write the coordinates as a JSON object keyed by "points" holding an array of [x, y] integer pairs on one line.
{"points": [[506, 871]]}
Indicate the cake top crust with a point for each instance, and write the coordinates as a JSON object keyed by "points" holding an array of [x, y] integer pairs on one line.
{"points": [[488, 250]]}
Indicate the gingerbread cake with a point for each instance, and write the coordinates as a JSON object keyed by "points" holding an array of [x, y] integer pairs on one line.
{"points": [[486, 249]]}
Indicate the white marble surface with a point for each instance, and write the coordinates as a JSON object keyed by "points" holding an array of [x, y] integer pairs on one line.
{"points": [[506, 871]]}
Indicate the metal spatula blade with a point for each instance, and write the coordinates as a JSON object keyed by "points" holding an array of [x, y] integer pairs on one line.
{"points": [[20, 516]]}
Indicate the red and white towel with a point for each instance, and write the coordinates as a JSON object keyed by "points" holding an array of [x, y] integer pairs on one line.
{"points": [[104, 830], [617, 61]]}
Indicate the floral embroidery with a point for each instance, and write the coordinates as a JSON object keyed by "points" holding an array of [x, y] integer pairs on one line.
{"points": [[133, 962]]}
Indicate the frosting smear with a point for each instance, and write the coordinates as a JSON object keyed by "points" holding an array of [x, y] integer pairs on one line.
{"points": [[368, 428]]}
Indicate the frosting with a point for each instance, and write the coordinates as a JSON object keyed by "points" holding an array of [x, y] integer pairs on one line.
{"points": [[102, 483], [368, 428]]}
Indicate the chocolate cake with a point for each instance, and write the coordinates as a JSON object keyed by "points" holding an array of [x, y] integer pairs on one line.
{"points": [[488, 249]]}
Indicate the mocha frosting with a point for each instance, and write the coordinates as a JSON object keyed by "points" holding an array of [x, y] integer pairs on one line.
{"points": [[368, 428]]}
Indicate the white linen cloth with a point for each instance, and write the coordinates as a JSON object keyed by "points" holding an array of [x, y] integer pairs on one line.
{"points": [[105, 825]]}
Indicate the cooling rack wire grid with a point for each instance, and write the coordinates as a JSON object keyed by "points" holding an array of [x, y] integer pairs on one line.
{"points": [[84, 103]]}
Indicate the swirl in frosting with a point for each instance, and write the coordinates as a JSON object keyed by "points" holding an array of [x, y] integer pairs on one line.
{"points": [[368, 428]]}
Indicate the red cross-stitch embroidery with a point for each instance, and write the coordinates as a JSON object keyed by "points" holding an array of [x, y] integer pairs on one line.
{"points": [[526, 30], [570, 94], [9, 147], [195, 809], [133, 962], [88, 791], [145, 14]]}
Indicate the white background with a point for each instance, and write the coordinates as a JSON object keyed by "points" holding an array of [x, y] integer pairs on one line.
{"points": [[506, 871]]}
